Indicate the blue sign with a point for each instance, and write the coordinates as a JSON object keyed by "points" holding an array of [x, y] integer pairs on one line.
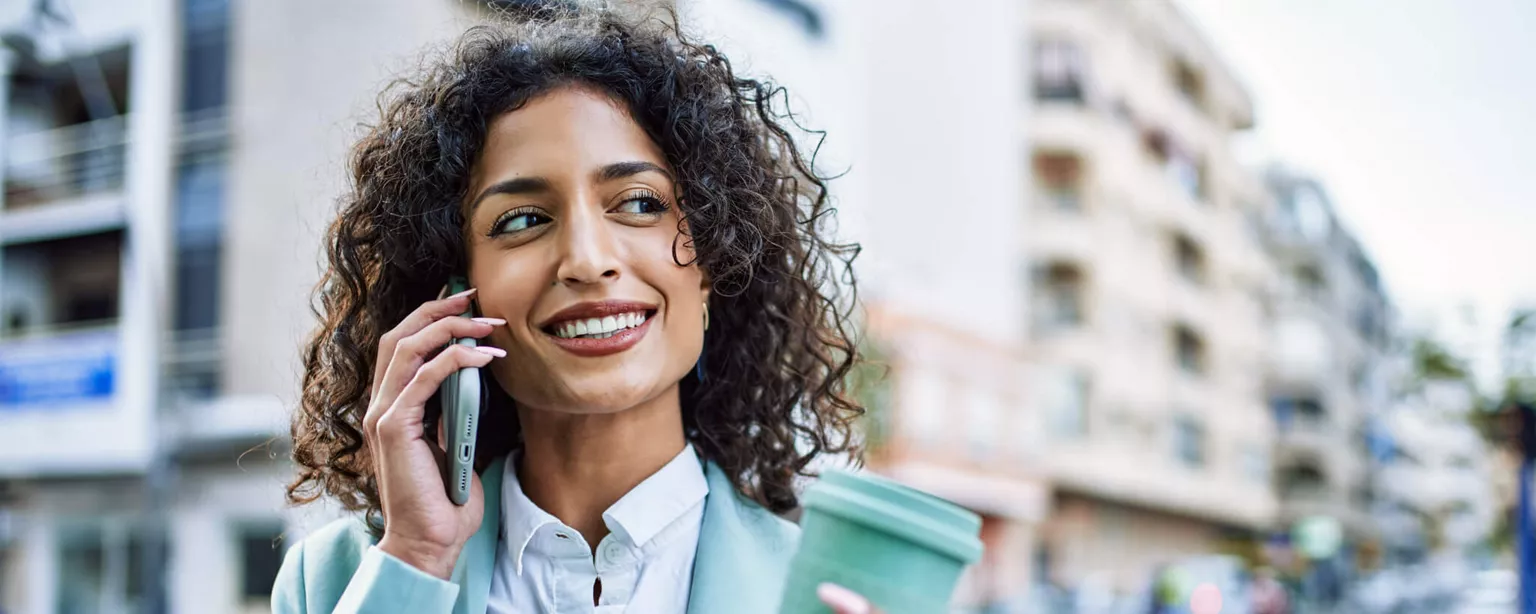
{"points": [[59, 370]]}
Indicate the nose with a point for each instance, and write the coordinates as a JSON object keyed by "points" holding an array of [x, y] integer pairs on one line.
{"points": [[588, 253]]}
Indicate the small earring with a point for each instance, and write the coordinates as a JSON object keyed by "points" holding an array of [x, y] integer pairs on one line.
{"points": [[698, 368]]}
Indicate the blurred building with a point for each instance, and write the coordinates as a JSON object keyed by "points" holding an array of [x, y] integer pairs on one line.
{"points": [[168, 167], [925, 142], [1438, 490], [1328, 379], [1146, 277]]}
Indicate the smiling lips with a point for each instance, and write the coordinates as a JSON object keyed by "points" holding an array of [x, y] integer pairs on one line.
{"points": [[599, 329]]}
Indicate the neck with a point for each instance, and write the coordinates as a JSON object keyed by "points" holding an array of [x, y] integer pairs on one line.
{"points": [[576, 466]]}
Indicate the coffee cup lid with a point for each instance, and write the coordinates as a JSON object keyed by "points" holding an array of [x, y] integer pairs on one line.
{"points": [[901, 510]]}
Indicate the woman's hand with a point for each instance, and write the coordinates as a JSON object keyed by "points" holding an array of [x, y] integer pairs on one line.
{"points": [[421, 525], [844, 601]]}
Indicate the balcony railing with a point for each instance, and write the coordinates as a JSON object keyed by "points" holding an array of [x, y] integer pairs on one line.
{"points": [[65, 162], [192, 366]]}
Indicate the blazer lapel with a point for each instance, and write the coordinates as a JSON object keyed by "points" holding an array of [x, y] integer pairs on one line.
{"points": [[743, 554], [478, 560]]}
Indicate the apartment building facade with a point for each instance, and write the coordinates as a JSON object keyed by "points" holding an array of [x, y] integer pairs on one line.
{"points": [[168, 167], [1146, 277], [1330, 378]]}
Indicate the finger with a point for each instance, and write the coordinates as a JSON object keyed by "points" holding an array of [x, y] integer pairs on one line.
{"points": [[404, 418], [842, 600], [412, 352], [427, 313]]}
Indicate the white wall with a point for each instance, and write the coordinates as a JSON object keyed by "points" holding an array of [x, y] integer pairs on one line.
{"points": [[303, 75]]}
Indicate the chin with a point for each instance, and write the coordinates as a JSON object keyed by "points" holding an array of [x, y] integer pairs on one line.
{"points": [[609, 392]]}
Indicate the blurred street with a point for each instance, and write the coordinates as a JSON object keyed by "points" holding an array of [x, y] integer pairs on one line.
{"points": [[1158, 353]]}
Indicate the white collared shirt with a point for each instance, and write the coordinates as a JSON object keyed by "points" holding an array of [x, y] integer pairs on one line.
{"points": [[645, 563]]}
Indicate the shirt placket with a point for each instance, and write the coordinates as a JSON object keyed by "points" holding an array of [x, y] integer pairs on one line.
{"points": [[618, 567], [573, 573]]}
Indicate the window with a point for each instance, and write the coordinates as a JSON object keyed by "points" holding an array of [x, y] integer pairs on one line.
{"points": [[1186, 170], [1059, 297], [1064, 398], [1189, 350], [1059, 72], [261, 554], [925, 397], [1059, 178], [1310, 282], [99, 567], [983, 413], [1256, 464], [67, 135], [1307, 211], [205, 58], [64, 283], [1190, 84], [1304, 412], [1302, 481], [1189, 441], [1190, 259], [193, 366]]}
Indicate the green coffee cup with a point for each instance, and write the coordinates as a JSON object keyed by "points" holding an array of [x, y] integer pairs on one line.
{"points": [[901, 548]]}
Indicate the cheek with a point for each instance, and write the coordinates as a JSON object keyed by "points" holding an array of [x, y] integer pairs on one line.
{"points": [[507, 284]]}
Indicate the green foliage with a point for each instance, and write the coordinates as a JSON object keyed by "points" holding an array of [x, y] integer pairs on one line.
{"points": [[869, 384], [1433, 361]]}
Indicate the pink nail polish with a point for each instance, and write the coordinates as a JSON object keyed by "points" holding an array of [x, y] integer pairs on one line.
{"points": [[491, 321], [486, 349], [464, 293]]}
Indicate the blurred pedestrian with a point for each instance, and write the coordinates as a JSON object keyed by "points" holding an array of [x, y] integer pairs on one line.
{"points": [[1269, 596]]}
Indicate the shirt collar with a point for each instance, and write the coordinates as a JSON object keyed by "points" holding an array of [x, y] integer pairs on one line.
{"points": [[637, 517], [660, 500], [520, 517]]}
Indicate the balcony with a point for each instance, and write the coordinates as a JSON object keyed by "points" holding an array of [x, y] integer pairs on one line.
{"points": [[64, 181], [1301, 436]]}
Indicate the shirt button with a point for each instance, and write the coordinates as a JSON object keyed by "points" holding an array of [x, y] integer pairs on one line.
{"points": [[614, 553]]}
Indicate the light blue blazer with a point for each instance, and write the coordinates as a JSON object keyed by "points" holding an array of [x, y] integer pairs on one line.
{"points": [[740, 566]]}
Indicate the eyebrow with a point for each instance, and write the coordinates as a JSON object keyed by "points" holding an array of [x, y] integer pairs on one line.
{"points": [[521, 185], [532, 185], [620, 170]]}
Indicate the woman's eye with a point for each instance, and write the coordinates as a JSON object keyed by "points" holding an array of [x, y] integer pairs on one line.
{"points": [[642, 205], [514, 222]]}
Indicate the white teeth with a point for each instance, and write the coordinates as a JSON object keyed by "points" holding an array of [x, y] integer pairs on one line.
{"points": [[600, 328]]}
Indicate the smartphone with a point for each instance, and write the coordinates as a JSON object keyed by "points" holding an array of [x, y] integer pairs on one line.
{"points": [[460, 396]]}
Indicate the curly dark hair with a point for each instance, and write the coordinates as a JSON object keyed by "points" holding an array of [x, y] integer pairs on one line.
{"points": [[781, 338]]}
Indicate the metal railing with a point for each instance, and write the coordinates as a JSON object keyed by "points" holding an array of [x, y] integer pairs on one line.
{"points": [[66, 162], [192, 366]]}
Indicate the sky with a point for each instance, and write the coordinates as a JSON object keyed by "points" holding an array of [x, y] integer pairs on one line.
{"points": [[1420, 117]]}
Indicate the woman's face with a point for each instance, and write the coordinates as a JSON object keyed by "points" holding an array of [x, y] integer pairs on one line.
{"points": [[572, 225]]}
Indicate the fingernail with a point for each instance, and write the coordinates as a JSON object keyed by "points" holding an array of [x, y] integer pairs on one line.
{"points": [[842, 599], [464, 293], [486, 349], [491, 321]]}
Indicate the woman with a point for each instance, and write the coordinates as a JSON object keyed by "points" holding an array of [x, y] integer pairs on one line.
{"points": [[664, 332]]}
